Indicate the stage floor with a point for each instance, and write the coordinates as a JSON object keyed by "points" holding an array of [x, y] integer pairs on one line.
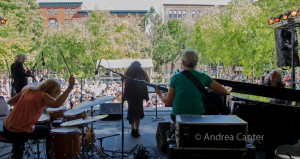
{"points": [[113, 145]]}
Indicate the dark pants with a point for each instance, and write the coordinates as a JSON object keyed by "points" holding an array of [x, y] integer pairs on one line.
{"points": [[18, 139]]}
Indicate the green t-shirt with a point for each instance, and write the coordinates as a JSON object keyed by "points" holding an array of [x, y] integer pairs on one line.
{"points": [[187, 97]]}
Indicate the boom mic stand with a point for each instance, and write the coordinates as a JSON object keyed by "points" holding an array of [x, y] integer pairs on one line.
{"points": [[156, 118], [122, 104], [33, 70]]}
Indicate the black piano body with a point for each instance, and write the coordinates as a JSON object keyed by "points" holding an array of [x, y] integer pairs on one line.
{"points": [[279, 124]]}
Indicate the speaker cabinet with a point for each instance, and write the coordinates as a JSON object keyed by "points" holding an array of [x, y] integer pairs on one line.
{"points": [[113, 110], [283, 45], [161, 135]]}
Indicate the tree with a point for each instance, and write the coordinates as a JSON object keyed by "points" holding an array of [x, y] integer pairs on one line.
{"points": [[100, 35], [22, 31]]}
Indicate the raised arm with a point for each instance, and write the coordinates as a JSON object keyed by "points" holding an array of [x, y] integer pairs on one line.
{"points": [[55, 103]]}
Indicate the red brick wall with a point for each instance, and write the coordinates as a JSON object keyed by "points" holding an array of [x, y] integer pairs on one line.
{"points": [[60, 16]]}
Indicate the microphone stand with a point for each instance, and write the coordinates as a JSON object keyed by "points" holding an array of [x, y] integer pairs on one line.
{"points": [[122, 115], [152, 85], [122, 104], [33, 70], [156, 118]]}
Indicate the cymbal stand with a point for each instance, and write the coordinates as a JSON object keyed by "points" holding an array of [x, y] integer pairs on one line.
{"points": [[92, 131], [100, 148], [156, 118], [83, 138]]}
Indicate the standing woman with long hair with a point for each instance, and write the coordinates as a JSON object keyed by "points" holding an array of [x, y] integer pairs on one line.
{"points": [[135, 93]]}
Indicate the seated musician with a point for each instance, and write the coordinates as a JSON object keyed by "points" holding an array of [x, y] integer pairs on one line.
{"points": [[29, 105], [274, 79], [183, 94]]}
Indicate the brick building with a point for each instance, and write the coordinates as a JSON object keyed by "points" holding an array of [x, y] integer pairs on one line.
{"points": [[186, 11], [59, 13], [63, 13]]}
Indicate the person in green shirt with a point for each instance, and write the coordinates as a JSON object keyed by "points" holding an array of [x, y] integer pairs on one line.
{"points": [[183, 94]]}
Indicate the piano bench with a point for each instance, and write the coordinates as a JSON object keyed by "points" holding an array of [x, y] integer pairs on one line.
{"points": [[288, 151]]}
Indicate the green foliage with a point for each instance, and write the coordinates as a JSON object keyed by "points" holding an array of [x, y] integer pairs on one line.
{"points": [[236, 35], [23, 29], [239, 35], [100, 35]]}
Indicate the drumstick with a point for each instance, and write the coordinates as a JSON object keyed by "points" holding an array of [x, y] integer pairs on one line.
{"points": [[66, 63]]}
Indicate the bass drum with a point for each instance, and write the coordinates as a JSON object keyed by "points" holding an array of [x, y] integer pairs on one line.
{"points": [[65, 143]]}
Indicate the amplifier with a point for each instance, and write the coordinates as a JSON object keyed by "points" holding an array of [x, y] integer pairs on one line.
{"points": [[113, 110], [211, 132]]}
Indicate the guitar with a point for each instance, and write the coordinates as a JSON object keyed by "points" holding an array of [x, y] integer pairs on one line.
{"points": [[159, 87]]}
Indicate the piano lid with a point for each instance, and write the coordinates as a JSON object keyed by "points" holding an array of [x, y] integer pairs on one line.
{"points": [[262, 90]]}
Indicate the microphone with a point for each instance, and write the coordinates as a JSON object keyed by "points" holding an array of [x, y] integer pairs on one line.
{"points": [[43, 60], [97, 68]]}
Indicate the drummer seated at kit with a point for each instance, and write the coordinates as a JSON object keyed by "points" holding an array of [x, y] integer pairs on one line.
{"points": [[29, 104]]}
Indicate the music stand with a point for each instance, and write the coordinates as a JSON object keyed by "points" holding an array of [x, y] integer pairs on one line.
{"points": [[152, 90]]}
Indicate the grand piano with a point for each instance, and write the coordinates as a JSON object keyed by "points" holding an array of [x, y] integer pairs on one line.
{"points": [[280, 124]]}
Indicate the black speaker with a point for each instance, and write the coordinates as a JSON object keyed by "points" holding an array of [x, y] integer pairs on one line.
{"points": [[161, 135], [112, 110], [283, 45]]}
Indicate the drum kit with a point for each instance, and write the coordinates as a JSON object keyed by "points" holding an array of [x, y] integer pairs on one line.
{"points": [[74, 137]]}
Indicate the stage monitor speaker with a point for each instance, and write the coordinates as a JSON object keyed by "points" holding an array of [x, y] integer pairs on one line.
{"points": [[161, 135], [113, 110], [283, 47]]}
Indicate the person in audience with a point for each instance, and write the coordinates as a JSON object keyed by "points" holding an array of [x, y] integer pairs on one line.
{"points": [[183, 94], [20, 123], [274, 79]]}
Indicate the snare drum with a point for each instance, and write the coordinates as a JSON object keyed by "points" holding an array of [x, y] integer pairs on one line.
{"points": [[65, 143], [75, 114], [56, 113]]}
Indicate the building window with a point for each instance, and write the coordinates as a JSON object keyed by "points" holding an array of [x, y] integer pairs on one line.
{"points": [[184, 13], [66, 22], [179, 14], [174, 14], [55, 11], [72, 21], [193, 14], [198, 13], [49, 11], [66, 10], [72, 10], [52, 23], [170, 14]]}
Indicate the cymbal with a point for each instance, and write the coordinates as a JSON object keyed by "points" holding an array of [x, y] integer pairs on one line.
{"points": [[93, 102], [43, 117], [71, 112], [83, 121]]}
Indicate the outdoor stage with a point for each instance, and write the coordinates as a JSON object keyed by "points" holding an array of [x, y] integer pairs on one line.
{"points": [[111, 127]]}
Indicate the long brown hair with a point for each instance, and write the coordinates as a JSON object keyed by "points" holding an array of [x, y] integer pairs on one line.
{"points": [[50, 86]]}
